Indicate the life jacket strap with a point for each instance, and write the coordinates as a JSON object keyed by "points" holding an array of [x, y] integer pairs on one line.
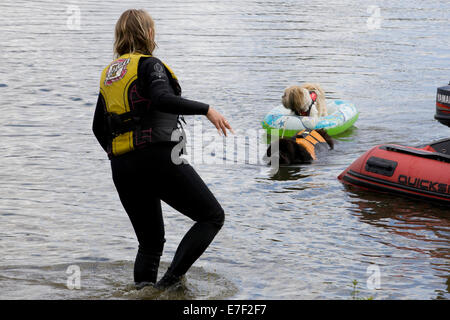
{"points": [[309, 140], [121, 123], [317, 136], [130, 121], [179, 120]]}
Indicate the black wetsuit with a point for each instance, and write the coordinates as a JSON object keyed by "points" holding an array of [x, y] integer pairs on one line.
{"points": [[146, 176]]}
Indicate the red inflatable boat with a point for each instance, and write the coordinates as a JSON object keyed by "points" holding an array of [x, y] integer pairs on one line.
{"points": [[416, 172], [422, 172]]}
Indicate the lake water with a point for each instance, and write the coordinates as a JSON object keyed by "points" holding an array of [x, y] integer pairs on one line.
{"points": [[297, 234]]}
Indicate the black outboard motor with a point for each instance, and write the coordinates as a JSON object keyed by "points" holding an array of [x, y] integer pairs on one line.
{"points": [[443, 105]]}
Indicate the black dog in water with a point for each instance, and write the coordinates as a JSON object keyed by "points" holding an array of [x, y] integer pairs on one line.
{"points": [[303, 147]]}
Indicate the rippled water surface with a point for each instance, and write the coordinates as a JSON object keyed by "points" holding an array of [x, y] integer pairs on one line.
{"points": [[298, 234]]}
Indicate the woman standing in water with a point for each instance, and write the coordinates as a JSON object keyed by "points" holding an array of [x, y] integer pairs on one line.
{"points": [[136, 122]]}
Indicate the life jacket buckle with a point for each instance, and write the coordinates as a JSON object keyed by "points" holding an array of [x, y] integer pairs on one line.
{"points": [[121, 123]]}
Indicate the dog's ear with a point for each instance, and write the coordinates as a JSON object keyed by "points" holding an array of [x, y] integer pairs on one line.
{"points": [[327, 138], [285, 152], [294, 152], [296, 99], [284, 159], [293, 98], [283, 144]]}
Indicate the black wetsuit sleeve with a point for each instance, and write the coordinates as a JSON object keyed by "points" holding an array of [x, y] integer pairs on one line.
{"points": [[99, 126], [156, 86]]}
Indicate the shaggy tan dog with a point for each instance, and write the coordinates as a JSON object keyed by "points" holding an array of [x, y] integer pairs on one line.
{"points": [[305, 100]]}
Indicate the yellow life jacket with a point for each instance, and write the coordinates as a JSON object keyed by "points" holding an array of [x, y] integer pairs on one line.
{"points": [[310, 141], [118, 88]]}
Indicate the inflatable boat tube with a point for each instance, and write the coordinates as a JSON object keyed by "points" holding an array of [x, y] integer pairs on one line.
{"points": [[341, 116], [417, 172]]}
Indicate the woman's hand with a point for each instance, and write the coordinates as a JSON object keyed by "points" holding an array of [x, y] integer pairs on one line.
{"points": [[218, 121]]}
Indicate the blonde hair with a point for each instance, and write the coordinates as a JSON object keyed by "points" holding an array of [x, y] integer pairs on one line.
{"points": [[134, 33]]}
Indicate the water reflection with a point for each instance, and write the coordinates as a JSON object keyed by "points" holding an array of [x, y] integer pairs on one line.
{"points": [[424, 226], [285, 173]]}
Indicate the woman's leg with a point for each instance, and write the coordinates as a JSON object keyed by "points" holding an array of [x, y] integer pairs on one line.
{"points": [[144, 210], [145, 176], [185, 191]]}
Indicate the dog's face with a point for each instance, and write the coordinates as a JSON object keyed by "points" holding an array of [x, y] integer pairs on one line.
{"points": [[296, 99]]}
